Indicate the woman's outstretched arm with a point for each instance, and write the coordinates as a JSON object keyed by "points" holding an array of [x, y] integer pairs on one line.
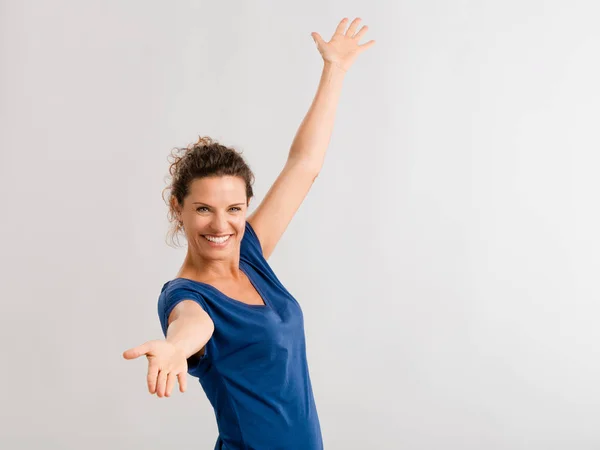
{"points": [[307, 152], [313, 135]]}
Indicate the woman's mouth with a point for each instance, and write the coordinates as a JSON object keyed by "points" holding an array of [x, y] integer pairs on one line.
{"points": [[217, 241]]}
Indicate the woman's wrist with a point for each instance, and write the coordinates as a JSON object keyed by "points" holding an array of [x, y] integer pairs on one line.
{"points": [[333, 67]]}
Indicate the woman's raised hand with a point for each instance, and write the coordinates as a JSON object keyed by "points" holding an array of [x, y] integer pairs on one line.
{"points": [[166, 362], [343, 48]]}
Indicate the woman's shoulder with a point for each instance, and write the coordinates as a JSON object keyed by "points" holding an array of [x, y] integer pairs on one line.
{"points": [[179, 285], [250, 247], [183, 282]]}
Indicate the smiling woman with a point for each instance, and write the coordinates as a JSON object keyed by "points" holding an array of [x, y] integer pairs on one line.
{"points": [[226, 317], [195, 170]]}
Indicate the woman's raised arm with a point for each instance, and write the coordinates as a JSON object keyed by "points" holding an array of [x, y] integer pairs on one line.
{"points": [[307, 152]]}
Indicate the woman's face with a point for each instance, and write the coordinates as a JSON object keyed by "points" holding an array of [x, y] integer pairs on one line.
{"points": [[214, 215]]}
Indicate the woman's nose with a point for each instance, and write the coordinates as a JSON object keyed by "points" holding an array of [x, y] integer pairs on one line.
{"points": [[219, 223]]}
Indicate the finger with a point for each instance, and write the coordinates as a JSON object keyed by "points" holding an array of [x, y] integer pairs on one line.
{"points": [[317, 38], [171, 378], [360, 33], [182, 381], [136, 352], [161, 382], [353, 26], [152, 378], [367, 45], [341, 27]]}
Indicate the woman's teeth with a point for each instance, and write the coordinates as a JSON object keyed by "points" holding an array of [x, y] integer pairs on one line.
{"points": [[217, 240]]}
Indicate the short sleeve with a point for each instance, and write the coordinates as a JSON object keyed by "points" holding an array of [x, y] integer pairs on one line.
{"points": [[173, 294], [250, 247]]}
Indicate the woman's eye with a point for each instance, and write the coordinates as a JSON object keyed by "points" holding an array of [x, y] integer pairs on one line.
{"points": [[204, 208]]}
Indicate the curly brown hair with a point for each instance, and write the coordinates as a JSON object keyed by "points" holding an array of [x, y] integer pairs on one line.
{"points": [[204, 158]]}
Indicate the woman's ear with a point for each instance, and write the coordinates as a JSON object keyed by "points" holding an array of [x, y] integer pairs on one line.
{"points": [[176, 208]]}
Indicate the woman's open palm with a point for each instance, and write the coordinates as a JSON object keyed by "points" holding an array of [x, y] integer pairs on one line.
{"points": [[166, 363], [344, 47]]}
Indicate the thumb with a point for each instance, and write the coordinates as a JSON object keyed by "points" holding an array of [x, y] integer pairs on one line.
{"points": [[317, 38], [136, 352]]}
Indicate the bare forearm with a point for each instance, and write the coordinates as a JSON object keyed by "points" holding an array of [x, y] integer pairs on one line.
{"points": [[313, 135], [189, 334]]}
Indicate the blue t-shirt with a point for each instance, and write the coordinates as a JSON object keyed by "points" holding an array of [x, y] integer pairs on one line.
{"points": [[254, 369]]}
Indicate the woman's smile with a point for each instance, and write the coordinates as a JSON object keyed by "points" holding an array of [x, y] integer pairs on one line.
{"points": [[217, 241]]}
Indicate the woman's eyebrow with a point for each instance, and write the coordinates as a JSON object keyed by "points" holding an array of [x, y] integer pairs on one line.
{"points": [[206, 204]]}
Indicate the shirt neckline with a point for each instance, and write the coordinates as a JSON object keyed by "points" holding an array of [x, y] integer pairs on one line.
{"points": [[239, 302]]}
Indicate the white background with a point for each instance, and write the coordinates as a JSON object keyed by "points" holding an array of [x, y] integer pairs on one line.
{"points": [[446, 258]]}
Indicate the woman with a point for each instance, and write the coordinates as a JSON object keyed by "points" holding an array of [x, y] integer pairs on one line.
{"points": [[226, 317]]}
